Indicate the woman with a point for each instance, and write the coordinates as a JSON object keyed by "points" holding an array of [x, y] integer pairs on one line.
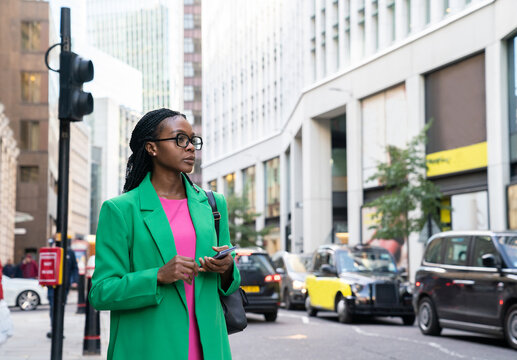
{"points": [[164, 304]]}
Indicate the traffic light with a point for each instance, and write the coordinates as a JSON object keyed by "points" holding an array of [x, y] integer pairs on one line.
{"points": [[73, 101]]}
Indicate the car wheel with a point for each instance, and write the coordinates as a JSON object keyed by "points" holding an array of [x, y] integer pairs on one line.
{"points": [[270, 317], [510, 326], [343, 311], [427, 318], [28, 300], [408, 320], [287, 300], [310, 310]]}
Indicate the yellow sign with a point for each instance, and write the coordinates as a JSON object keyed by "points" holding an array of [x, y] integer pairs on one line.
{"points": [[459, 159]]}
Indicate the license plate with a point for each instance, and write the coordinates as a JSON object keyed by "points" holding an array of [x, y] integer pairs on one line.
{"points": [[251, 289]]}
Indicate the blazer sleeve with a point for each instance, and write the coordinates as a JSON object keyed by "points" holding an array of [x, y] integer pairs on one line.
{"points": [[114, 286], [224, 239]]}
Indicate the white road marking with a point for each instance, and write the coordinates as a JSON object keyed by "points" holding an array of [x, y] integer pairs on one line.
{"points": [[432, 344]]}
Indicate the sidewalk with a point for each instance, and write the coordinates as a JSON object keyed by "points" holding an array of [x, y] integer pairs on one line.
{"points": [[30, 329]]}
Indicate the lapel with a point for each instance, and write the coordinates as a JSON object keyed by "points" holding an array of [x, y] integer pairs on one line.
{"points": [[202, 219], [159, 227]]}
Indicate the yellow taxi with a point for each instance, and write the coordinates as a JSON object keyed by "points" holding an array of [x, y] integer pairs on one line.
{"points": [[359, 280]]}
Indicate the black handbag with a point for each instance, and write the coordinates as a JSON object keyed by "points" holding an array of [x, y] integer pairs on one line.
{"points": [[233, 304]]}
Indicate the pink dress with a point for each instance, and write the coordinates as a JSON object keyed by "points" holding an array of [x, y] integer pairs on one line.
{"points": [[185, 240]]}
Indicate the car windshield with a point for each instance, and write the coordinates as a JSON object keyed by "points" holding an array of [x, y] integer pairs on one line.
{"points": [[294, 263], [365, 261], [254, 263], [509, 245]]}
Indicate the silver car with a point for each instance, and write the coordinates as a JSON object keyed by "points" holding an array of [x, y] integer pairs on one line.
{"points": [[291, 268]]}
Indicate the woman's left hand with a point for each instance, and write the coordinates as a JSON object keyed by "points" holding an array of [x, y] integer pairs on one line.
{"points": [[209, 264]]}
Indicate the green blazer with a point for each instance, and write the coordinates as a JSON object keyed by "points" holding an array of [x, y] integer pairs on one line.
{"points": [[150, 321]]}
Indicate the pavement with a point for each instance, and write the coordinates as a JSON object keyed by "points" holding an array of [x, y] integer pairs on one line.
{"points": [[30, 329]]}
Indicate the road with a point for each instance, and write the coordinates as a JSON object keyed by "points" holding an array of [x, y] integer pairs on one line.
{"points": [[292, 336], [296, 336]]}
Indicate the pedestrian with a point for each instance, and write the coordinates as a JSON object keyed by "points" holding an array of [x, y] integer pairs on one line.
{"points": [[154, 267], [9, 268], [29, 267], [71, 278], [18, 269]]}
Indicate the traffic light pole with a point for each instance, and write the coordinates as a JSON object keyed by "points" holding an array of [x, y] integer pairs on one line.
{"points": [[62, 207]]}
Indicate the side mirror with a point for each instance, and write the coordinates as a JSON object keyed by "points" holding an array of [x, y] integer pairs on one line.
{"points": [[402, 270], [280, 271], [328, 269], [489, 260]]}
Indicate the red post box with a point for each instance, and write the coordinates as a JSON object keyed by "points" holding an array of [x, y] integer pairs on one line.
{"points": [[50, 266]]}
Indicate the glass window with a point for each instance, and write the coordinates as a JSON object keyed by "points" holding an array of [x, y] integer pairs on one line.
{"points": [[31, 35], [213, 185], [31, 87], [29, 135], [427, 11], [188, 21], [366, 261], [433, 252], [456, 251], [509, 246], [254, 265], [272, 183], [188, 93], [248, 180], [229, 184], [512, 93], [29, 174], [294, 263], [446, 7], [188, 45], [188, 69], [482, 245]]}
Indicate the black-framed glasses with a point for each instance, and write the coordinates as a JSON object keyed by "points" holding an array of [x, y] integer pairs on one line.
{"points": [[182, 140]]}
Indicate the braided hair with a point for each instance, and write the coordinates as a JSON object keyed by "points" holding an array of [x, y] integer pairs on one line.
{"points": [[147, 128]]}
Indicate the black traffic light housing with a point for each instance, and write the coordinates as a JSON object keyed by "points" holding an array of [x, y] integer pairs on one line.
{"points": [[73, 101]]}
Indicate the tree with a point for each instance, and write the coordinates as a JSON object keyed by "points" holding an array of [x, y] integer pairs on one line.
{"points": [[407, 189], [242, 222]]}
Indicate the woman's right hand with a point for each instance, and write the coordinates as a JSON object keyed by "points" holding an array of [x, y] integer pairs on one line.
{"points": [[178, 268]]}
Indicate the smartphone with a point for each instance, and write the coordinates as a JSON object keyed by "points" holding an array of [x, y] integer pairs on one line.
{"points": [[223, 253]]}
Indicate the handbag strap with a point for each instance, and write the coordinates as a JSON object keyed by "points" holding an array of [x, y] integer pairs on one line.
{"points": [[215, 212]]}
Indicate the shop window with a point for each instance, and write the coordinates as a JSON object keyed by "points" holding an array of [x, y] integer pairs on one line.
{"points": [[248, 182], [31, 87], [29, 135], [455, 103], [272, 183], [31, 35], [229, 184], [212, 185]]}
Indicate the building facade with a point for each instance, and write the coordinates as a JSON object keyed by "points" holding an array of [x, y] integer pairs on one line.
{"points": [[375, 73], [24, 38], [148, 37], [8, 160], [252, 61], [192, 74]]}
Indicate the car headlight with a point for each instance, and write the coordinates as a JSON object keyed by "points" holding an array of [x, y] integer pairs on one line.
{"points": [[405, 287], [298, 285], [357, 288]]}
